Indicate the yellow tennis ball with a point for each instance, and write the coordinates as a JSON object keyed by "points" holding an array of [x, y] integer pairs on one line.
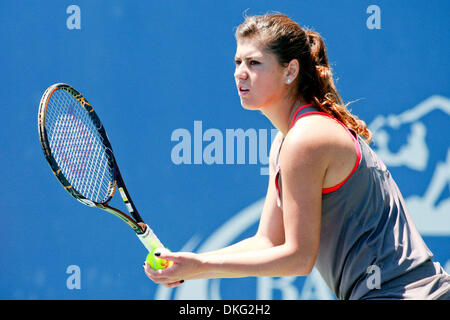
{"points": [[156, 263]]}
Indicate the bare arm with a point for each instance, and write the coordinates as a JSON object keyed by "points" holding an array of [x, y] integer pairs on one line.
{"points": [[271, 216], [304, 160], [293, 234], [270, 230]]}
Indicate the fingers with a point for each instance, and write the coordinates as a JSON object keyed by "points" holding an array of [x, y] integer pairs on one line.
{"points": [[163, 253], [155, 275], [170, 276], [173, 284], [160, 277]]}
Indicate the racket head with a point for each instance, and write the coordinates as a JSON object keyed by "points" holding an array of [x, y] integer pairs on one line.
{"points": [[76, 146]]}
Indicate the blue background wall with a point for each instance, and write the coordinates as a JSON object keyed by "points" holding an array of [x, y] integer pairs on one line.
{"points": [[151, 67]]}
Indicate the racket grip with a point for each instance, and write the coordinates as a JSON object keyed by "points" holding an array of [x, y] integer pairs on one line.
{"points": [[150, 240]]}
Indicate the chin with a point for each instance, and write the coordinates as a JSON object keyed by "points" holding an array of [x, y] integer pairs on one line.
{"points": [[249, 106]]}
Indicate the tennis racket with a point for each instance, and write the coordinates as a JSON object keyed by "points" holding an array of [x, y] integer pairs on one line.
{"points": [[80, 155]]}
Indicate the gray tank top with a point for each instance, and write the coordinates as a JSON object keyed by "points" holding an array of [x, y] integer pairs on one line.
{"points": [[369, 245]]}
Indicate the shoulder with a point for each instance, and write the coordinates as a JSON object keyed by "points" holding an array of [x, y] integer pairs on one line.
{"points": [[313, 141], [322, 147]]}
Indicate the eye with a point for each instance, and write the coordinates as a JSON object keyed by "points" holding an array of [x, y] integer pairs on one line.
{"points": [[237, 62], [254, 62]]}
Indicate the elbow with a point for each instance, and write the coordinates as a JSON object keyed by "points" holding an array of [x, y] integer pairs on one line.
{"points": [[306, 270], [301, 269], [300, 264]]}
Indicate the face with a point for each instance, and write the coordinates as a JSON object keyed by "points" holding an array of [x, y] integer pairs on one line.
{"points": [[260, 79]]}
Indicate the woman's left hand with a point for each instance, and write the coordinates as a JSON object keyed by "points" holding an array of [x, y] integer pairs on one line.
{"points": [[185, 266]]}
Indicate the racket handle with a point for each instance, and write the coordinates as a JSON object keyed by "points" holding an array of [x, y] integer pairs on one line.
{"points": [[151, 243], [150, 240]]}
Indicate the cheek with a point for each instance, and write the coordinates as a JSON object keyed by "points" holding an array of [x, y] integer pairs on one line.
{"points": [[269, 87]]}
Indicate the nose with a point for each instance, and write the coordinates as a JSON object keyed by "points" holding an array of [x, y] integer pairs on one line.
{"points": [[240, 72]]}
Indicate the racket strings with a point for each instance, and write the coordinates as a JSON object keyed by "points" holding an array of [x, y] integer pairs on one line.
{"points": [[78, 147]]}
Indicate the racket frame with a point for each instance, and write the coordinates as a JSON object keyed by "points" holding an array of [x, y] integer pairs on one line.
{"points": [[134, 220]]}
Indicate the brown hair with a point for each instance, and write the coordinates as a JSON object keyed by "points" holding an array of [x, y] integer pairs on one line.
{"points": [[287, 40]]}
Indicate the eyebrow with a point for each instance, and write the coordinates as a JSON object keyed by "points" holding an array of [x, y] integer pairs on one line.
{"points": [[249, 58]]}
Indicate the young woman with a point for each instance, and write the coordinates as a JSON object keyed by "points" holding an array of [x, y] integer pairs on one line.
{"points": [[330, 203]]}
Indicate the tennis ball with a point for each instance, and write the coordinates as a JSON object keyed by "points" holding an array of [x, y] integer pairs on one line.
{"points": [[156, 263]]}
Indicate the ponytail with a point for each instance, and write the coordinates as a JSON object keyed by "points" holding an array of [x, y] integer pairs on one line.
{"points": [[326, 96]]}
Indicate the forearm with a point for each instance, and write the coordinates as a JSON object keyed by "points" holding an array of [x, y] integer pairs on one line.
{"points": [[274, 261], [250, 244], [254, 243]]}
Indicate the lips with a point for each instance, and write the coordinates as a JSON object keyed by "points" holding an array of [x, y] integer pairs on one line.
{"points": [[243, 90]]}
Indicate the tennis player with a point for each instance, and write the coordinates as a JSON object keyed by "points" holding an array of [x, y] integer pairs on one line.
{"points": [[331, 203]]}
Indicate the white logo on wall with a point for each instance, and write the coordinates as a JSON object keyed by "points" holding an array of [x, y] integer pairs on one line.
{"points": [[430, 210]]}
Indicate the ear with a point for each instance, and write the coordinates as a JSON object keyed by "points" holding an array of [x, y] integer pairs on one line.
{"points": [[291, 71]]}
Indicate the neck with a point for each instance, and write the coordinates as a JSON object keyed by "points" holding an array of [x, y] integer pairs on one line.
{"points": [[280, 115]]}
